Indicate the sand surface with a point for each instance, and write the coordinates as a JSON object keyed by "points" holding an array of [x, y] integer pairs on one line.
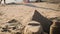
{"points": [[24, 12]]}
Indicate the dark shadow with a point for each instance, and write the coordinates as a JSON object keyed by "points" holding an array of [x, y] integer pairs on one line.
{"points": [[5, 29], [33, 24], [43, 20], [12, 21], [18, 33]]}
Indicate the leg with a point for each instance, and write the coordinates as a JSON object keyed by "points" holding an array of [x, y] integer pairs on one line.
{"points": [[0, 1], [4, 1]]}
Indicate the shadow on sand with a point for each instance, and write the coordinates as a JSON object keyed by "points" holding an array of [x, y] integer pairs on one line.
{"points": [[43, 20]]}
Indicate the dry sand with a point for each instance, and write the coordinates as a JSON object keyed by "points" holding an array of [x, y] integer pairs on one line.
{"points": [[24, 12]]}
